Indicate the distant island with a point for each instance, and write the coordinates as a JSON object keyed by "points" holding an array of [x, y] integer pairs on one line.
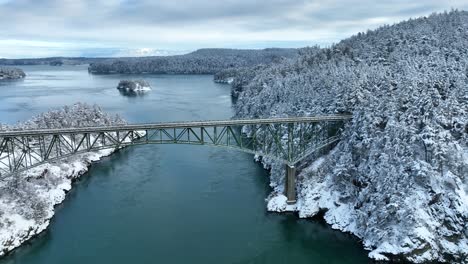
{"points": [[134, 86], [202, 61], [53, 61], [7, 73]]}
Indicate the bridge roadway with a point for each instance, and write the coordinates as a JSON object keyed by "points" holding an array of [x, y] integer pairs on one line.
{"points": [[288, 140], [170, 125]]}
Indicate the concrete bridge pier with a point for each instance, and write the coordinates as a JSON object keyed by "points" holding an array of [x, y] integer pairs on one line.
{"points": [[291, 184]]}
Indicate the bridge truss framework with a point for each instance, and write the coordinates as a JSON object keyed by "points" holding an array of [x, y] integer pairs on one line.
{"points": [[288, 140]]}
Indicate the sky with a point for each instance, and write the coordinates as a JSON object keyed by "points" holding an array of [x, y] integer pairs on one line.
{"points": [[112, 28]]}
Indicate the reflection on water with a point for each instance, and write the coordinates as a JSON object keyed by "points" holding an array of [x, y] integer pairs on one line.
{"points": [[131, 93]]}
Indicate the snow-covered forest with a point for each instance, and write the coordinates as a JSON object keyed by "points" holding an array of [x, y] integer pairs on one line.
{"points": [[53, 61], [203, 61], [239, 77], [134, 85], [399, 177], [7, 73], [27, 200]]}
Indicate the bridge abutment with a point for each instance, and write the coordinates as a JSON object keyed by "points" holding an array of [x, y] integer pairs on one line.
{"points": [[291, 184]]}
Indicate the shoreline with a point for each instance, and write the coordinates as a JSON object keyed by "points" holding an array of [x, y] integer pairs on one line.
{"points": [[79, 165], [72, 172], [89, 159]]}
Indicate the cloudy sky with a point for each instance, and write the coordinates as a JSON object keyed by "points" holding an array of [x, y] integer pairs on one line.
{"points": [[40, 28]]}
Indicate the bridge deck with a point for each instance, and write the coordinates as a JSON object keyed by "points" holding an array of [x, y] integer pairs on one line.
{"points": [[189, 124], [287, 140]]}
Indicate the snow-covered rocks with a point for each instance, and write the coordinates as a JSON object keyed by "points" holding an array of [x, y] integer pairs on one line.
{"points": [[134, 86], [277, 203], [27, 201], [7, 73]]}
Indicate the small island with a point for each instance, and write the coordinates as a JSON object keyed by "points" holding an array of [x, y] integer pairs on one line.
{"points": [[7, 73], [134, 86]]}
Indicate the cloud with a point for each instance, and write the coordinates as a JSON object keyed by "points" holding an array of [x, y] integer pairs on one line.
{"points": [[81, 27]]}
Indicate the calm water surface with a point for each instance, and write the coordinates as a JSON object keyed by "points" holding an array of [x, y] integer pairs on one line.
{"points": [[164, 204]]}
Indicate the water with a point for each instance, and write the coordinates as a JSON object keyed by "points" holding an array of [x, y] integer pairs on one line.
{"points": [[164, 204]]}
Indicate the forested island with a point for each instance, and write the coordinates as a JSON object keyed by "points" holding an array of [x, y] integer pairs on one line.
{"points": [[134, 85], [7, 73], [203, 61]]}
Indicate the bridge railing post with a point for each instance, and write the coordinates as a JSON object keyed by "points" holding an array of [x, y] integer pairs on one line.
{"points": [[290, 184]]}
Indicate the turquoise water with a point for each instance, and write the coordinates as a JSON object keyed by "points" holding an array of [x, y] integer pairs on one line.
{"points": [[170, 203]]}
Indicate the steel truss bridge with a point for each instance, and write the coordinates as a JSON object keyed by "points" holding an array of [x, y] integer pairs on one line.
{"points": [[288, 140]]}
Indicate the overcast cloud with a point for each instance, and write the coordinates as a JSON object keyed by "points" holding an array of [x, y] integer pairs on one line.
{"points": [[39, 28]]}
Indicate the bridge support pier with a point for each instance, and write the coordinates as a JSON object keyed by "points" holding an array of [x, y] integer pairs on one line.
{"points": [[290, 184]]}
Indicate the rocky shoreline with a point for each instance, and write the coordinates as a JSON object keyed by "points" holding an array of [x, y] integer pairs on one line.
{"points": [[64, 175], [28, 199]]}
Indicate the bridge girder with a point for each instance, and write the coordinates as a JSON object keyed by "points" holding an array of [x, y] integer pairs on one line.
{"points": [[288, 140]]}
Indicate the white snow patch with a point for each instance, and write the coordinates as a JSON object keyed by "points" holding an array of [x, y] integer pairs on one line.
{"points": [[377, 256], [277, 203]]}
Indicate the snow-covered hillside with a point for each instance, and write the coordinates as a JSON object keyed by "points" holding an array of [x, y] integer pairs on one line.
{"points": [[27, 200], [398, 179]]}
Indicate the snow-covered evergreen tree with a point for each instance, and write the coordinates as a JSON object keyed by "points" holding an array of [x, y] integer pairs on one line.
{"points": [[27, 200], [398, 178], [203, 61]]}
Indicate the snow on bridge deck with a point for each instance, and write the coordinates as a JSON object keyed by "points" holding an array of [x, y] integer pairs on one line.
{"points": [[168, 125], [288, 140]]}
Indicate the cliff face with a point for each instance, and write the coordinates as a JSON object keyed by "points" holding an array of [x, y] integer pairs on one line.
{"points": [[398, 178], [11, 73]]}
